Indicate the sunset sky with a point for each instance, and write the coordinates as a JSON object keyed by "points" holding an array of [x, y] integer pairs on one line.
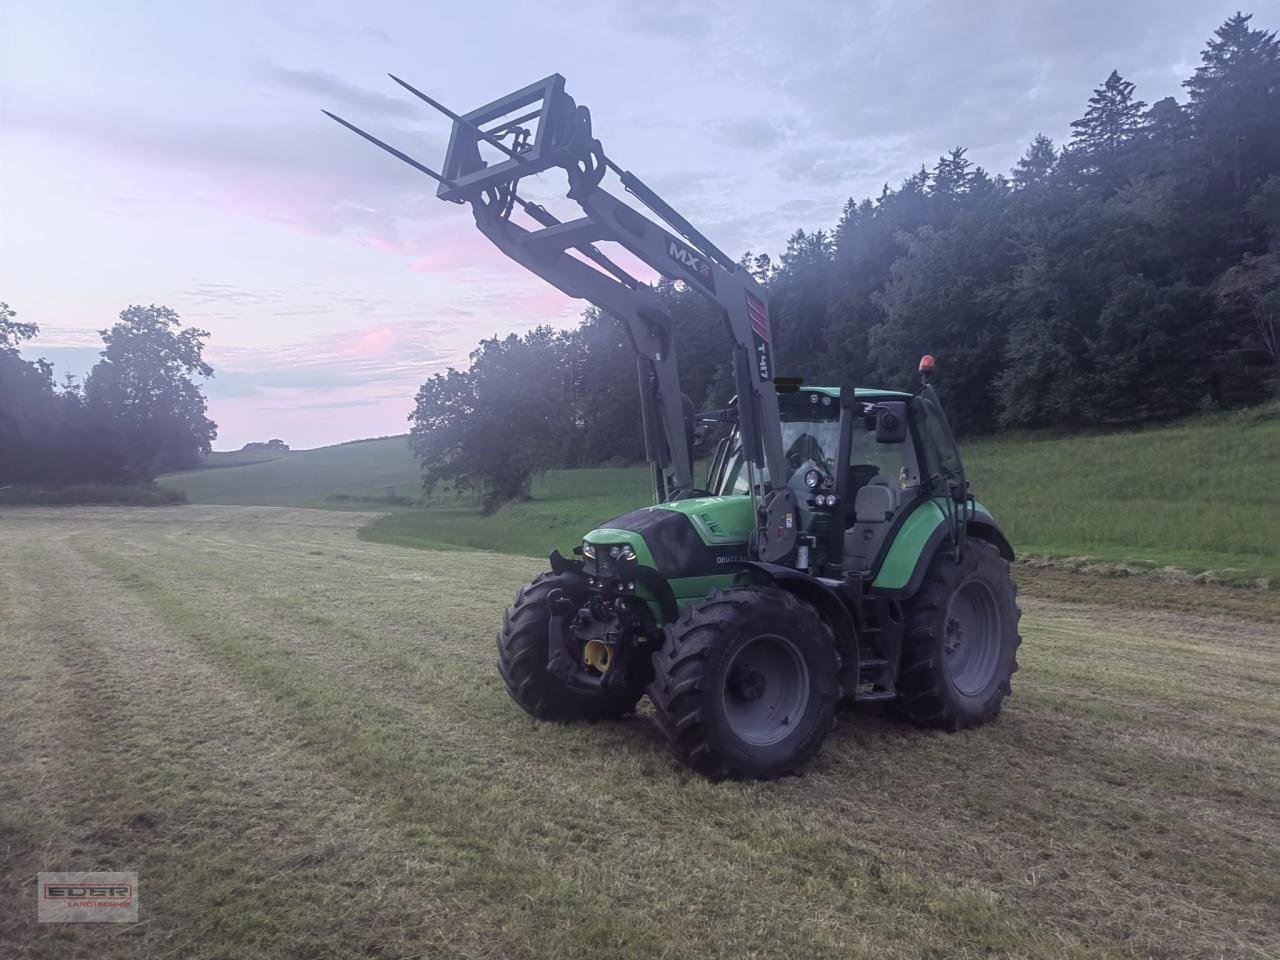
{"points": [[176, 154]]}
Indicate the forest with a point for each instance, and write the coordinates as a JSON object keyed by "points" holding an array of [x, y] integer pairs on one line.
{"points": [[139, 412], [1128, 275]]}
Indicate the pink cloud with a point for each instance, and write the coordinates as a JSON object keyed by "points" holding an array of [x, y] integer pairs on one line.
{"points": [[369, 344], [459, 246]]}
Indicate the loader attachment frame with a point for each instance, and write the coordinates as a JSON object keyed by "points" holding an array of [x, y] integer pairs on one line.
{"points": [[565, 255]]}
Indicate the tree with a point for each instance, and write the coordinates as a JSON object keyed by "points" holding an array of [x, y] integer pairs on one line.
{"points": [[799, 297], [608, 391], [1145, 357], [1235, 101], [492, 428], [1109, 125], [1036, 165], [12, 331], [145, 384], [28, 404], [944, 297], [952, 175], [1250, 292]]}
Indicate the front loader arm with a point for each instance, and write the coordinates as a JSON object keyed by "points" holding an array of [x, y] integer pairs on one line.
{"points": [[566, 256], [640, 311], [742, 301]]}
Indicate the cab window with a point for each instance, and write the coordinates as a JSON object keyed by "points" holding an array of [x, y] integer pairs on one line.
{"points": [[941, 458], [892, 463]]}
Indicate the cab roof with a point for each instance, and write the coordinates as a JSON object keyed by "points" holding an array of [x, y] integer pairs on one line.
{"points": [[861, 393]]}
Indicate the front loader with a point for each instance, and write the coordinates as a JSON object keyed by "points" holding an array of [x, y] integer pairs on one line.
{"points": [[834, 550]]}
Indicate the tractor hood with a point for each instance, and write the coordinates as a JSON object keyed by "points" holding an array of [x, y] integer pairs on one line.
{"points": [[684, 538]]}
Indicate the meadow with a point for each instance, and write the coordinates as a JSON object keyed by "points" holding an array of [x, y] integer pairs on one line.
{"points": [[302, 478], [291, 726], [1200, 495], [299, 741]]}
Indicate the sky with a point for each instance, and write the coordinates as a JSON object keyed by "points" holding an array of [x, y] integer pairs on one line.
{"points": [[176, 154]]}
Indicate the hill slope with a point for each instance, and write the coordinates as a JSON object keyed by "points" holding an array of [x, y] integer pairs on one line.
{"points": [[1199, 495], [305, 478]]}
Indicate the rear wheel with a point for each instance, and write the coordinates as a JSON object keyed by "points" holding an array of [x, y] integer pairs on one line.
{"points": [[745, 684], [523, 650], [961, 644]]}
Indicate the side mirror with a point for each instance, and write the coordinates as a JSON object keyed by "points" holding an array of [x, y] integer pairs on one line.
{"points": [[891, 421]]}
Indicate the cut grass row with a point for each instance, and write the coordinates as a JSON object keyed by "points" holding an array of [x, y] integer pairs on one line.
{"points": [[1199, 495]]}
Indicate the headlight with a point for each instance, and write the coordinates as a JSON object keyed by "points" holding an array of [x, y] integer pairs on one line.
{"points": [[622, 551], [588, 550]]}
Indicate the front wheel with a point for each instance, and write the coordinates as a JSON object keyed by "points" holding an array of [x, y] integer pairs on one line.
{"points": [[960, 649], [523, 652], [745, 684]]}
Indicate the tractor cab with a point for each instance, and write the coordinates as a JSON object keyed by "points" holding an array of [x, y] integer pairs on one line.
{"points": [[855, 468]]}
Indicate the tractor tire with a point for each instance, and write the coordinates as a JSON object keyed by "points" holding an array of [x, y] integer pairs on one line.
{"points": [[522, 660], [745, 684], [961, 640]]}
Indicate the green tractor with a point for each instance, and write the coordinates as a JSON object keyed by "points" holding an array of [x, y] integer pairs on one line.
{"points": [[833, 551]]}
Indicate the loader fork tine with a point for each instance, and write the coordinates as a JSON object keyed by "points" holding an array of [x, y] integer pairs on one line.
{"points": [[399, 154], [537, 212]]}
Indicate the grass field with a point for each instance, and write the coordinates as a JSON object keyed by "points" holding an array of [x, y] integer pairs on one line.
{"points": [[299, 741], [303, 478], [79, 494], [240, 458], [1203, 495]]}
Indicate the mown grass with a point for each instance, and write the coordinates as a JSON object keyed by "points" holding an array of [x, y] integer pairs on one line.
{"points": [[310, 754], [1202, 495]]}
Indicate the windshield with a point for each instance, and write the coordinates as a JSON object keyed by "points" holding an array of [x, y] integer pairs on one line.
{"points": [[805, 444], [814, 443]]}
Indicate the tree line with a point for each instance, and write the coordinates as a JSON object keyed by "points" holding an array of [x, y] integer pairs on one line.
{"points": [[1131, 274], [139, 412]]}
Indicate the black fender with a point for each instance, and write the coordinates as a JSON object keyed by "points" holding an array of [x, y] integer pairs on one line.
{"points": [[830, 606], [984, 527], [562, 564]]}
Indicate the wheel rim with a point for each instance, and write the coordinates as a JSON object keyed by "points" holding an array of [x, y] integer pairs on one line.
{"points": [[971, 641], [766, 690]]}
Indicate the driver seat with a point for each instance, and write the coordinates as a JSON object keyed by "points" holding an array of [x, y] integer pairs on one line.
{"points": [[860, 474], [874, 508]]}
